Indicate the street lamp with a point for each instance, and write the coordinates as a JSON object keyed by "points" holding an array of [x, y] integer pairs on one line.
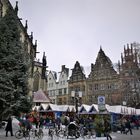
{"points": [[76, 95]]}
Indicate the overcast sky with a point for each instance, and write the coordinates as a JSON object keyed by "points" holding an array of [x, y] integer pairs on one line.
{"points": [[73, 30]]}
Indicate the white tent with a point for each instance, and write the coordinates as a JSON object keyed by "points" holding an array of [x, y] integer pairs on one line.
{"points": [[96, 107], [138, 111], [42, 107], [35, 108], [118, 109], [84, 109], [52, 107], [72, 108], [64, 108], [87, 109]]}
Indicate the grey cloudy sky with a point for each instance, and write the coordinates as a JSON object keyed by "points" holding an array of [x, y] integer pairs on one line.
{"points": [[73, 30]]}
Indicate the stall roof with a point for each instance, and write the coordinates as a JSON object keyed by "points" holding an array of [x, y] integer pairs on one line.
{"points": [[88, 109], [43, 107], [85, 108], [35, 108], [138, 111], [41, 97]]}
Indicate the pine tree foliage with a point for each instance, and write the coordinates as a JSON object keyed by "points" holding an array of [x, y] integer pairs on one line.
{"points": [[14, 66]]}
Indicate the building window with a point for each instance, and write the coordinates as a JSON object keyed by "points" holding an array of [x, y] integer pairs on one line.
{"points": [[36, 82], [49, 93], [65, 90], [109, 86], [59, 101], [115, 86], [60, 91], [102, 86], [65, 101], [90, 87], [96, 86]]}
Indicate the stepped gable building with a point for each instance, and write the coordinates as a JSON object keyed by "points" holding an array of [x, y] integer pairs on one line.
{"points": [[37, 78], [103, 80], [130, 75], [77, 83]]}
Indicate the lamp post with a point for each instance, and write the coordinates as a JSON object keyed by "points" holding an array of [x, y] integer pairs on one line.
{"points": [[76, 95]]}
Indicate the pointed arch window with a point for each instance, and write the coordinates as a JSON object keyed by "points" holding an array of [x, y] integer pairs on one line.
{"points": [[36, 82]]}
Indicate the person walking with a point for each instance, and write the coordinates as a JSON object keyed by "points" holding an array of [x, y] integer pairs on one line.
{"points": [[128, 126], [9, 127], [107, 129]]}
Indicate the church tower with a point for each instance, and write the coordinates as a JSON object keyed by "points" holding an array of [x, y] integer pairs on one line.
{"points": [[130, 74], [44, 65]]}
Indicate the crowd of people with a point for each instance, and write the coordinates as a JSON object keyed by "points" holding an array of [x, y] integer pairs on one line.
{"points": [[46, 121], [127, 123]]}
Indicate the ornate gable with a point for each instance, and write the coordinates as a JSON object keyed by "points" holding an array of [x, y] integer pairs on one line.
{"points": [[129, 61], [77, 73], [103, 68]]}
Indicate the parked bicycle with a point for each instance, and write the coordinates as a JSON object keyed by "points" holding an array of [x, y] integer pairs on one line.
{"points": [[22, 133], [37, 134], [87, 133], [51, 133]]}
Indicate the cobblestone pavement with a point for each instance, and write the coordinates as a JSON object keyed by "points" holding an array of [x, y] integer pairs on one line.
{"points": [[115, 136]]}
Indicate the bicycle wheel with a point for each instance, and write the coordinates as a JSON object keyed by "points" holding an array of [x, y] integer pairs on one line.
{"points": [[19, 134], [27, 135], [50, 134], [40, 135], [61, 133]]}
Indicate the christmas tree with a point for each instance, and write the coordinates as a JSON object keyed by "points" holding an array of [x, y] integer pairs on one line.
{"points": [[14, 67]]}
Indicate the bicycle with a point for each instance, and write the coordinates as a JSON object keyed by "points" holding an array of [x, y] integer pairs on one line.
{"points": [[51, 133], [88, 133], [37, 134], [22, 133]]}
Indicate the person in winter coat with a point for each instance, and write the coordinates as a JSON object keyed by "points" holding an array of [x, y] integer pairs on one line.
{"points": [[128, 126], [9, 127], [107, 129]]}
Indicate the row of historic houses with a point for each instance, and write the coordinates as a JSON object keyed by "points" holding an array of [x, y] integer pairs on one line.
{"points": [[119, 85]]}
